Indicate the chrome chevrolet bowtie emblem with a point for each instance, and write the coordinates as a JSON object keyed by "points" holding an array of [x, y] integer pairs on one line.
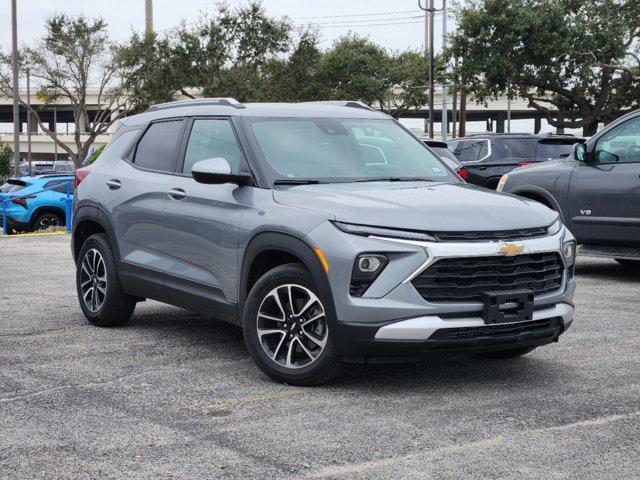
{"points": [[511, 249]]}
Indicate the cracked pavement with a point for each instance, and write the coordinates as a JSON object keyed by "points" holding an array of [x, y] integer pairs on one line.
{"points": [[175, 395]]}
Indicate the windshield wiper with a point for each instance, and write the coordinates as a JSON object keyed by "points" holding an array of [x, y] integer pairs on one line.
{"points": [[395, 179], [295, 181]]}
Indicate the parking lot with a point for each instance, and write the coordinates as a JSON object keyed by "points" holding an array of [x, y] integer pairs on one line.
{"points": [[176, 395]]}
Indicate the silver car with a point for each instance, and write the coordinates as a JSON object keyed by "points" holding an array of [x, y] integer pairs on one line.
{"points": [[328, 232]]}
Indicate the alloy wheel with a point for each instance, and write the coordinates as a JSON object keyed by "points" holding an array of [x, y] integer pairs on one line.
{"points": [[48, 221], [93, 280], [292, 326]]}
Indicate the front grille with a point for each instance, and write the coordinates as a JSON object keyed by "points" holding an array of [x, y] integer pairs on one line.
{"points": [[465, 279], [491, 235], [496, 330]]}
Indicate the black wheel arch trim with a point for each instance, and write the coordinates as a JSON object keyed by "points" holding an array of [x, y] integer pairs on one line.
{"points": [[539, 192], [46, 209], [294, 245], [96, 214]]}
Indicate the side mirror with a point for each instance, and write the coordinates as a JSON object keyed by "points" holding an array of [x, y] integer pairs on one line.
{"points": [[580, 152], [216, 171]]}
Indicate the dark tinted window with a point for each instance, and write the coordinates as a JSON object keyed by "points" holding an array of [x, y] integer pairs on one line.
{"points": [[471, 150], [59, 185], [513, 148], [554, 148], [212, 138], [157, 148]]}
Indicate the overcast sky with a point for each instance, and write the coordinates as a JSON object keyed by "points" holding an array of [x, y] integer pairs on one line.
{"points": [[396, 25]]}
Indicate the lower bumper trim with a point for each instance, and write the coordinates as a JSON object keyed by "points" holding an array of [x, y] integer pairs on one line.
{"points": [[422, 328]]}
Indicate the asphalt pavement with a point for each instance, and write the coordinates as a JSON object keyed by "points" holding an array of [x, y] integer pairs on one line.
{"points": [[175, 395]]}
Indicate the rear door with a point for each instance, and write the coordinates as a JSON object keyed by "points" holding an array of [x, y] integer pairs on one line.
{"points": [[202, 221], [604, 195], [135, 194]]}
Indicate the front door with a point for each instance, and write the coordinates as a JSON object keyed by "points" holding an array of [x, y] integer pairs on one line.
{"points": [[604, 196], [202, 221]]}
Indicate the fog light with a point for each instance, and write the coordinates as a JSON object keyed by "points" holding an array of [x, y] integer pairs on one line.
{"points": [[569, 252], [367, 268], [369, 264]]}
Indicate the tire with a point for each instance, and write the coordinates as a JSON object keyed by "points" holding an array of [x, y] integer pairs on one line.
{"points": [[293, 349], [507, 354], [46, 220], [110, 307], [628, 263]]}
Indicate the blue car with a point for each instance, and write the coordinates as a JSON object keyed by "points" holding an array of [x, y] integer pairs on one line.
{"points": [[28, 210]]}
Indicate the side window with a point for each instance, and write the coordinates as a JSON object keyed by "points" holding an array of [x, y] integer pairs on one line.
{"points": [[212, 138], [471, 150], [512, 148], [157, 148], [60, 186], [620, 145]]}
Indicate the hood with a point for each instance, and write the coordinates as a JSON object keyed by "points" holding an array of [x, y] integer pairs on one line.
{"points": [[418, 206]]}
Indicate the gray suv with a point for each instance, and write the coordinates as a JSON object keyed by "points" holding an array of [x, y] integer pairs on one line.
{"points": [[328, 232]]}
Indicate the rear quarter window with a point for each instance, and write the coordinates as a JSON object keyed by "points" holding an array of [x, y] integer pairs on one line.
{"points": [[12, 186]]}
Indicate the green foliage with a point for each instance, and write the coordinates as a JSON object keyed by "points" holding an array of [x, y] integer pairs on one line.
{"points": [[96, 153], [581, 58], [245, 54], [355, 69], [6, 157]]}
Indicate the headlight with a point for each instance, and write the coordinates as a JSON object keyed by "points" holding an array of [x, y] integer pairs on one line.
{"points": [[366, 269], [502, 182], [368, 231], [569, 252], [554, 227]]}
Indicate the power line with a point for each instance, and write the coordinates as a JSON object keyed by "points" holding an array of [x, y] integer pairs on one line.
{"points": [[367, 20], [369, 25], [361, 14]]}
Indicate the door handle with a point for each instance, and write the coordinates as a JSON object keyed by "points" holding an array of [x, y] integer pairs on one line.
{"points": [[114, 184], [177, 193]]}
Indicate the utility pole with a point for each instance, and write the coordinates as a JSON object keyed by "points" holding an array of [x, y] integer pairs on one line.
{"points": [[148, 16], [16, 92], [426, 55], [431, 10], [445, 119], [29, 118]]}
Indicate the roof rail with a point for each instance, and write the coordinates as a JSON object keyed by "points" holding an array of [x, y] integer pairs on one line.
{"points": [[346, 103], [196, 102]]}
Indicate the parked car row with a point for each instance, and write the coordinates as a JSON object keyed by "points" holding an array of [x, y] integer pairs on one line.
{"points": [[328, 232]]}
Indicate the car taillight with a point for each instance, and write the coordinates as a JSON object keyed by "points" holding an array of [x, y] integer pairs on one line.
{"points": [[524, 164], [464, 173], [22, 201], [81, 173]]}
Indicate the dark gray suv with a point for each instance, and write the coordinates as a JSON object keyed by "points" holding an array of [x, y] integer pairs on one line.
{"points": [[327, 231]]}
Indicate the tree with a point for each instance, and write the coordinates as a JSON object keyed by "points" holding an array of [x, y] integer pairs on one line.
{"points": [[577, 63], [408, 73], [72, 58], [355, 69], [222, 56], [6, 156]]}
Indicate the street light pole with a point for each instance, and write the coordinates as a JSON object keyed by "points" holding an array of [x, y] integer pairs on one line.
{"points": [[29, 118], [16, 92], [431, 10], [148, 15], [445, 119]]}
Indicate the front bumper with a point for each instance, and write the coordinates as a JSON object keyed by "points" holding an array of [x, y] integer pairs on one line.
{"points": [[393, 319], [417, 336]]}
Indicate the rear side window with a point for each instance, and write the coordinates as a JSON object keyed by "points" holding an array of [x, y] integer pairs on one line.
{"points": [[12, 186], [60, 185], [471, 150], [554, 148], [157, 148], [513, 148], [212, 138]]}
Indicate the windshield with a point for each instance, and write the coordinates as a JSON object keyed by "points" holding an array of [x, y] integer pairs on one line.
{"points": [[344, 150]]}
